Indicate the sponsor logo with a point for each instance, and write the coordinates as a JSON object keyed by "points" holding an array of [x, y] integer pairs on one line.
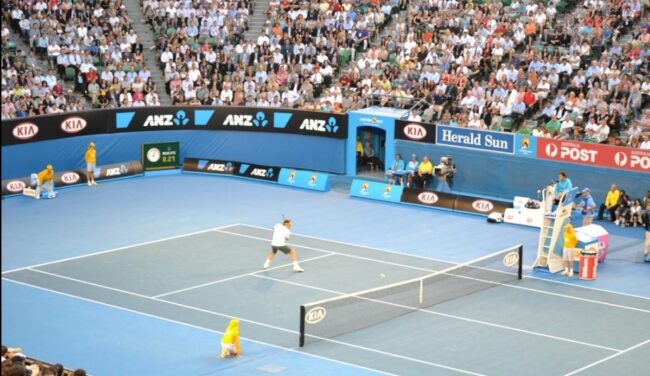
{"points": [[315, 315], [621, 159], [474, 139], [292, 176], [572, 153], [364, 188], [262, 172], [25, 131], [312, 180], [387, 191], [415, 131], [219, 167], [73, 124], [116, 171], [166, 120], [317, 125], [16, 186], [153, 155], [428, 198], [70, 178], [259, 120], [482, 205], [511, 258], [525, 143]]}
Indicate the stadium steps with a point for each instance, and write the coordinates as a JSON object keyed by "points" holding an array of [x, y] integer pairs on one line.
{"points": [[145, 34], [257, 20], [41, 63]]}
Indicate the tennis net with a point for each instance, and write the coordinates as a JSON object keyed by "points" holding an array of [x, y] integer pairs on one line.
{"points": [[346, 313]]}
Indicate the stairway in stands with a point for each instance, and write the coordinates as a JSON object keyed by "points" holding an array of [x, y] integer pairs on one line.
{"points": [[257, 19], [145, 34]]}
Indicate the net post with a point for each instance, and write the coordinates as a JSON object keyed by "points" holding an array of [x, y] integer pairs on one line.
{"points": [[302, 326], [520, 268]]}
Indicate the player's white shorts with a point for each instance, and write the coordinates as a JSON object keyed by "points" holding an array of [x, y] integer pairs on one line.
{"points": [[90, 167], [569, 254]]}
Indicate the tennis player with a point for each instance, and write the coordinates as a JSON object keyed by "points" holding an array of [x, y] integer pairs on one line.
{"points": [[91, 161], [230, 340], [281, 233]]}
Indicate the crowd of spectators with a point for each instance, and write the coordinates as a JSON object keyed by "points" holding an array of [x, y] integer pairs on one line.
{"points": [[15, 363], [89, 43], [553, 68]]}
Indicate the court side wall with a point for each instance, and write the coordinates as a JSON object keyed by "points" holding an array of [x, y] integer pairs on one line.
{"points": [[507, 176], [282, 150]]}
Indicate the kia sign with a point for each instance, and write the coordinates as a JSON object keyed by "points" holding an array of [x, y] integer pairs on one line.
{"points": [[594, 154], [51, 127], [481, 206], [415, 131], [73, 124], [428, 198], [25, 131], [475, 139]]}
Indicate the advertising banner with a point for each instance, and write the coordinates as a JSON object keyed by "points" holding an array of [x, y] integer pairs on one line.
{"points": [[50, 127], [525, 146], [475, 139], [210, 166], [304, 179], [258, 172], [415, 131], [73, 177], [376, 190], [428, 198], [232, 118], [594, 154], [160, 156], [480, 205]]}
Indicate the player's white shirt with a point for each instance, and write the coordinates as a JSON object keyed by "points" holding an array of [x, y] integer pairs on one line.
{"points": [[280, 235]]}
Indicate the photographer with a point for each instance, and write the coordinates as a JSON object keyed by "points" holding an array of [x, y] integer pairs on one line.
{"points": [[445, 173]]}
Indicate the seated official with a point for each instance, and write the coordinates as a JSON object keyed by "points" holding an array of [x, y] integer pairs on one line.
{"points": [[398, 165], [424, 173], [411, 168], [370, 157], [610, 204], [360, 156], [562, 185]]}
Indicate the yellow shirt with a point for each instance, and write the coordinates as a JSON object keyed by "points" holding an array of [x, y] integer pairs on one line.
{"points": [[91, 155], [231, 335], [570, 240], [45, 176], [612, 198], [359, 148], [425, 168]]}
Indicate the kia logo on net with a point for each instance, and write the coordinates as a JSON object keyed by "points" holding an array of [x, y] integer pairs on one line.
{"points": [[315, 315], [620, 159], [428, 198], [25, 131], [415, 131], [551, 150], [70, 177], [16, 186], [482, 205], [73, 124]]}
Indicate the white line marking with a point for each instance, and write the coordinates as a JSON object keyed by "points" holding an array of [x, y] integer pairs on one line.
{"points": [[445, 261], [251, 321], [600, 302], [290, 349], [238, 276], [428, 311], [118, 249], [608, 358]]}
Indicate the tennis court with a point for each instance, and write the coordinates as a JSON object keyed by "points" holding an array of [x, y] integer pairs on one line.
{"points": [[202, 279]]}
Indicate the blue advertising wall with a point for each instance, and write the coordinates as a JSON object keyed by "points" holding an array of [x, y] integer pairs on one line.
{"points": [[506, 175], [288, 150]]}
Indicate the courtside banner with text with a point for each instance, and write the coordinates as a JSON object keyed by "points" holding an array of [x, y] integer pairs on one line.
{"points": [[428, 198], [594, 154], [376, 190], [73, 177], [415, 131], [50, 127], [210, 166], [316, 181], [475, 139], [478, 205]]}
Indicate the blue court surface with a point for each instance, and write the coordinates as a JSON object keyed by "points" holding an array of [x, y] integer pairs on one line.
{"points": [[141, 276]]}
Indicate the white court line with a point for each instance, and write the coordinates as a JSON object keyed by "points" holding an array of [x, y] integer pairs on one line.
{"points": [[238, 276], [445, 261], [242, 320], [290, 349], [608, 358], [600, 302], [119, 248], [427, 311]]}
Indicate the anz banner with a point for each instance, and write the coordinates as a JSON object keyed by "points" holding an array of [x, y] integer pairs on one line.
{"points": [[232, 118], [468, 138]]}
